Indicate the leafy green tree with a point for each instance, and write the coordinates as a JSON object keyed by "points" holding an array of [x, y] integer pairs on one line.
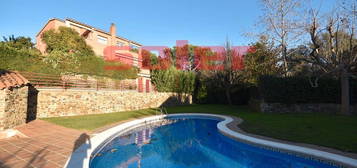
{"points": [[66, 49], [68, 52], [182, 57], [19, 42], [260, 60], [173, 80], [67, 40]]}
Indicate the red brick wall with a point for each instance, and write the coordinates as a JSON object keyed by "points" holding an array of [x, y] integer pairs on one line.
{"points": [[40, 45]]}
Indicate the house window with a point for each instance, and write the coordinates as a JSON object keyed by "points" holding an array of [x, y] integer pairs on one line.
{"points": [[86, 33], [120, 43], [102, 40], [134, 47]]}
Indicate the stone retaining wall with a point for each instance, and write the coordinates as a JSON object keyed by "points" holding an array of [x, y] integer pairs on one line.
{"points": [[13, 107], [55, 103], [328, 108], [104, 82], [2, 103]]}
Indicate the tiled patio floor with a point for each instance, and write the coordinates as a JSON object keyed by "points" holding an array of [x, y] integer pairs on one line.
{"points": [[46, 145]]}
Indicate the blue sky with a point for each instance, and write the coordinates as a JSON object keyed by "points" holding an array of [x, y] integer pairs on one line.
{"points": [[149, 22]]}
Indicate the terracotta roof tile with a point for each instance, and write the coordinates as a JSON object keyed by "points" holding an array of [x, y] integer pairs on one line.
{"points": [[9, 79]]}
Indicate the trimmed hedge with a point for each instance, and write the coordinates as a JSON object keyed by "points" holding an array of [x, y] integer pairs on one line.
{"points": [[239, 96], [292, 90], [213, 94]]}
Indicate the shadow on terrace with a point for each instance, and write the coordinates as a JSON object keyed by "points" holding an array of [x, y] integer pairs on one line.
{"points": [[80, 152]]}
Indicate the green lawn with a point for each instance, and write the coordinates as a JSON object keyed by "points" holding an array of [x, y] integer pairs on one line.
{"points": [[338, 132], [94, 121]]}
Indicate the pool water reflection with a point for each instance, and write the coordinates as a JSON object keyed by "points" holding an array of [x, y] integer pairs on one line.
{"points": [[190, 143]]}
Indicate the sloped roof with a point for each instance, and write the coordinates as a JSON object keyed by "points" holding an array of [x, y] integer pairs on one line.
{"points": [[100, 30], [86, 25], [10, 79]]}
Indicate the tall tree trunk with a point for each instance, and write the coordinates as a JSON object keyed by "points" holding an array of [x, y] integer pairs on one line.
{"points": [[345, 93], [285, 58], [196, 87], [228, 95]]}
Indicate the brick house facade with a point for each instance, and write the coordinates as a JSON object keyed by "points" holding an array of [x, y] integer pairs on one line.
{"points": [[102, 43]]}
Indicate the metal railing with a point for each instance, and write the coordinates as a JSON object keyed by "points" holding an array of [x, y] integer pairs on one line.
{"points": [[48, 81], [163, 111]]}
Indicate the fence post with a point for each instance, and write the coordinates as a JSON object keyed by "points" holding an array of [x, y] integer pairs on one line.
{"points": [[64, 85], [97, 84]]}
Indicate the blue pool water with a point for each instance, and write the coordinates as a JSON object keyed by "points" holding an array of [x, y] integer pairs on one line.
{"points": [[190, 143]]}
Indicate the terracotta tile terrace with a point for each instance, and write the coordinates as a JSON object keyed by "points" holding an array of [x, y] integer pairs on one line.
{"points": [[44, 145]]}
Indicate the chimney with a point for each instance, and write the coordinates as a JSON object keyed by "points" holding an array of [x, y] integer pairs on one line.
{"points": [[113, 30]]}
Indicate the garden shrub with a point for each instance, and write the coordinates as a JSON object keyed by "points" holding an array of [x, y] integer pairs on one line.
{"points": [[173, 80], [240, 95], [23, 60], [66, 40], [209, 91]]}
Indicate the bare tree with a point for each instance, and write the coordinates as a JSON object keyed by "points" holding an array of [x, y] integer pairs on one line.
{"points": [[282, 23], [334, 47]]}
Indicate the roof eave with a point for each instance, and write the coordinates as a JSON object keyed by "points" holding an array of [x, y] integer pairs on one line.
{"points": [[102, 31], [47, 24]]}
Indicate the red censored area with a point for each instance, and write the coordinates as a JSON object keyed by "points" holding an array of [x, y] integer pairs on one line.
{"points": [[183, 57], [120, 54]]}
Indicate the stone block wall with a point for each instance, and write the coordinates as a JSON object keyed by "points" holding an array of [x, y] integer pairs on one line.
{"points": [[55, 103], [13, 107], [104, 82], [328, 108], [2, 107]]}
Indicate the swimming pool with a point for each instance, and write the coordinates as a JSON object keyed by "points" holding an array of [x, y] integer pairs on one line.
{"points": [[192, 142]]}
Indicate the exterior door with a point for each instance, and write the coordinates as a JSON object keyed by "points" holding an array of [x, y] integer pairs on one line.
{"points": [[140, 85], [147, 86]]}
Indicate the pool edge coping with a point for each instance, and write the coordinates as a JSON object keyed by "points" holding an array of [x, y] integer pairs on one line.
{"points": [[100, 138]]}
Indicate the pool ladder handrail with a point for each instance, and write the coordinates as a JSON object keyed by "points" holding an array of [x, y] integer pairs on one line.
{"points": [[163, 111]]}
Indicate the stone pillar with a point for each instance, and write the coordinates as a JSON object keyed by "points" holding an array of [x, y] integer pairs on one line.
{"points": [[2, 108], [14, 110]]}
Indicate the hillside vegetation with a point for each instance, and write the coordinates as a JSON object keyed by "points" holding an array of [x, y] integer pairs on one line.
{"points": [[67, 53]]}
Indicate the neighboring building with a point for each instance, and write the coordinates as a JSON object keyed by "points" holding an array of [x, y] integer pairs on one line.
{"points": [[96, 38], [99, 40]]}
